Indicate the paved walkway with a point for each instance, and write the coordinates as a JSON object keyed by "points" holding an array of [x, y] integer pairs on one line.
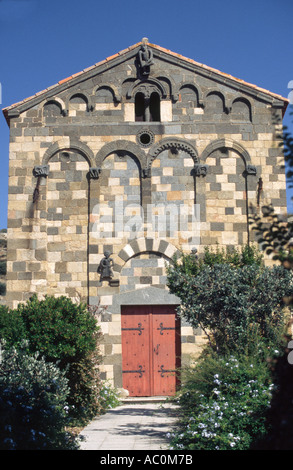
{"points": [[131, 426]]}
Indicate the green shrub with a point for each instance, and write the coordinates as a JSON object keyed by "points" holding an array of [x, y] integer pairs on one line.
{"points": [[12, 328], [3, 265], [59, 329], [190, 264], [33, 404], [2, 288], [223, 404], [67, 334], [108, 397]]}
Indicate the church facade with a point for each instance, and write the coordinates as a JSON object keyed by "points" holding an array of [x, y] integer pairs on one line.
{"points": [[118, 168]]}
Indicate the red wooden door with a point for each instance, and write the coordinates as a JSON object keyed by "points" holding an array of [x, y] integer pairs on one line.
{"points": [[150, 350]]}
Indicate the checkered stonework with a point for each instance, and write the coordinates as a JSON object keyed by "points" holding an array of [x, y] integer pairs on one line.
{"points": [[144, 270], [91, 171], [67, 219], [225, 200]]}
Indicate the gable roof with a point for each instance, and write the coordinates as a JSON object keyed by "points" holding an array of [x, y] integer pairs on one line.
{"points": [[16, 108]]}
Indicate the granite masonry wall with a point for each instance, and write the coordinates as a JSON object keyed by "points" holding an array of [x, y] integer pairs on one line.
{"points": [[78, 160]]}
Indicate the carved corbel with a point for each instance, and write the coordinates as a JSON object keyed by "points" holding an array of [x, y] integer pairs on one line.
{"points": [[94, 173], [251, 170], [41, 170], [200, 170], [146, 172], [89, 105], [201, 103]]}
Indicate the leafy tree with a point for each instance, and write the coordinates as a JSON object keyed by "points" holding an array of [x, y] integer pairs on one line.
{"points": [[227, 299], [274, 234], [287, 145], [273, 231]]}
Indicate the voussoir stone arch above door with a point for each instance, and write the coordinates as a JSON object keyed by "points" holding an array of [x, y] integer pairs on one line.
{"points": [[145, 245]]}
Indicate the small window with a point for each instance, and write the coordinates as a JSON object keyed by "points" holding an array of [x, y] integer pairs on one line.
{"points": [[155, 107], [139, 107], [147, 109]]}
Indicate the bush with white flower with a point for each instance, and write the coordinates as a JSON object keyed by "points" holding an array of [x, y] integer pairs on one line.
{"points": [[223, 405], [108, 397], [33, 404]]}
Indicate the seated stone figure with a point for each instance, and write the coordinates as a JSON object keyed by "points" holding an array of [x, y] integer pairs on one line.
{"points": [[145, 59], [105, 267]]}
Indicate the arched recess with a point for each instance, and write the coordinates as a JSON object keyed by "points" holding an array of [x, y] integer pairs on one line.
{"points": [[66, 144], [116, 212], [67, 209], [226, 144], [169, 84], [173, 144], [121, 147], [173, 211], [109, 90], [214, 104], [54, 107], [79, 102], [241, 110], [191, 94], [223, 194]]}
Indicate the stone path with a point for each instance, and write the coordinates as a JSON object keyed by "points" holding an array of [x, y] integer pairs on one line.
{"points": [[131, 426]]}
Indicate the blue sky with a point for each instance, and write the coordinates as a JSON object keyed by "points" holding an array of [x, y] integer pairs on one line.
{"points": [[42, 42]]}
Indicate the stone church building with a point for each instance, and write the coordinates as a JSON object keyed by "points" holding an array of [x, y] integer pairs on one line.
{"points": [[116, 169]]}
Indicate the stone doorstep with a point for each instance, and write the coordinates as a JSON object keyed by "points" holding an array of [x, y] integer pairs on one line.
{"points": [[138, 400]]}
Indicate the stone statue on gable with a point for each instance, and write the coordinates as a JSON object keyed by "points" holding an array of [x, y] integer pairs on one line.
{"points": [[145, 57]]}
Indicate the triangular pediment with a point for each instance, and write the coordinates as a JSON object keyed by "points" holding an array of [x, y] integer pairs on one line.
{"points": [[161, 57]]}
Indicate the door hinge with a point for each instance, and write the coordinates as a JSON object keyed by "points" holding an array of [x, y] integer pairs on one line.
{"points": [[162, 328], [139, 371], [163, 371], [139, 328]]}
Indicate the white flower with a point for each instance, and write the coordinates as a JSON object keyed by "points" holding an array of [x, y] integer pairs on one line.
{"points": [[201, 425]]}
